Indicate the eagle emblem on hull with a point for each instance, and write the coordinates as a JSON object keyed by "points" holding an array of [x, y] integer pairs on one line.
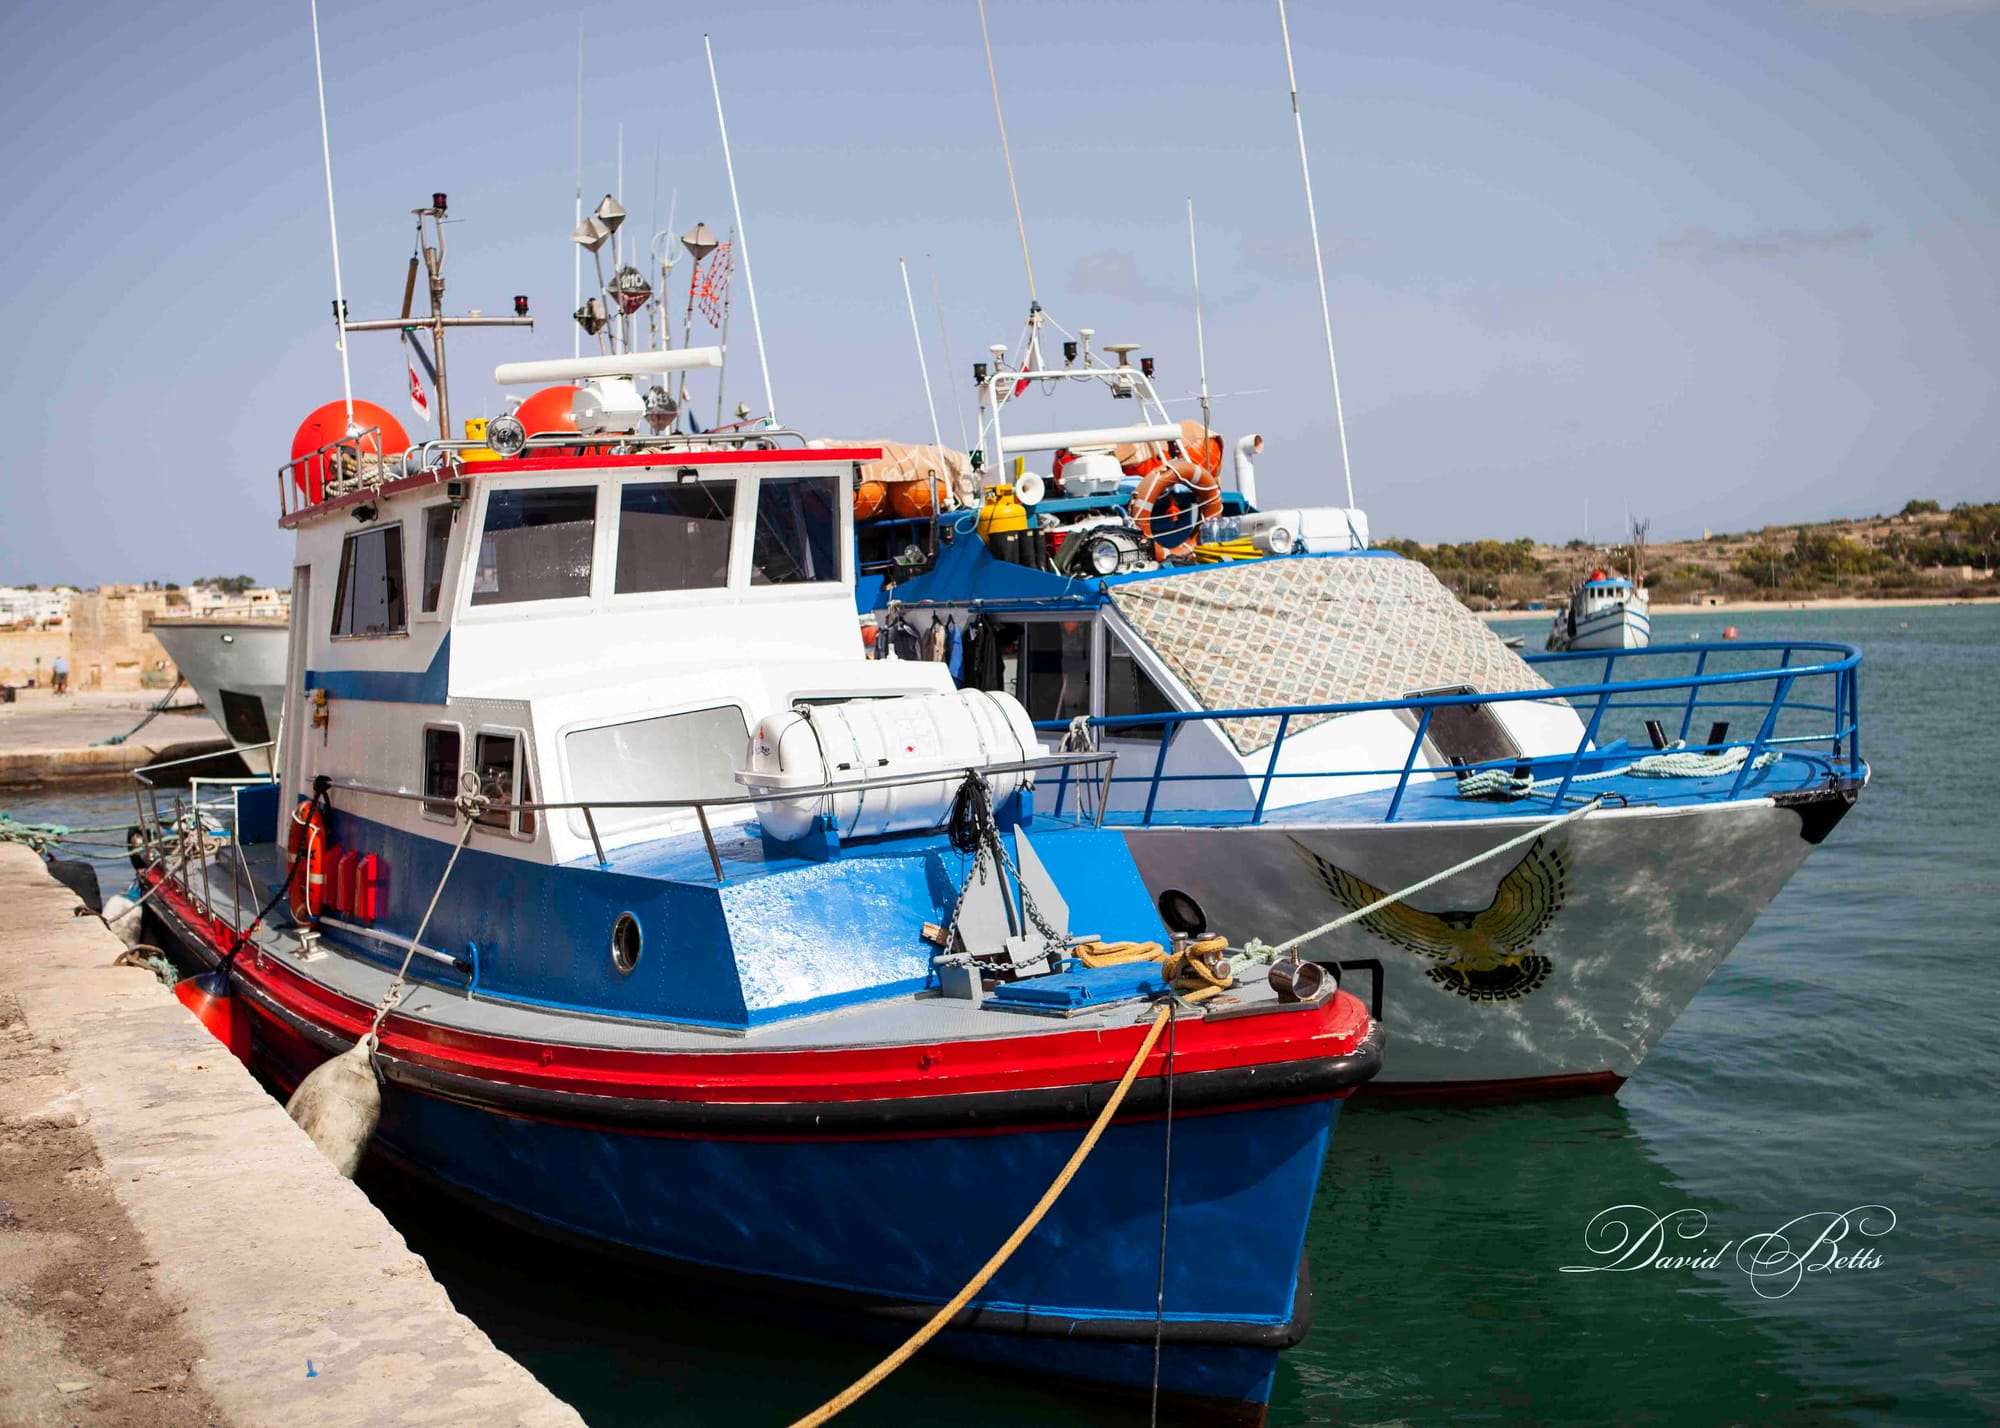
{"points": [[1485, 955]]}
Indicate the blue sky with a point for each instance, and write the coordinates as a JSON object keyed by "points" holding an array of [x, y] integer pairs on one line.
{"points": [[1729, 264]]}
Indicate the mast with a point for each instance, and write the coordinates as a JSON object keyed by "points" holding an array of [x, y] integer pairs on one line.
{"points": [[937, 436], [576, 294], [1200, 347], [333, 230], [740, 243], [1319, 263], [1032, 357]]}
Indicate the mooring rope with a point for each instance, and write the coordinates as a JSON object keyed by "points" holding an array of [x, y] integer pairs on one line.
{"points": [[471, 805], [853, 1393], [155, 712], [1674, 763], [1256, 952]]}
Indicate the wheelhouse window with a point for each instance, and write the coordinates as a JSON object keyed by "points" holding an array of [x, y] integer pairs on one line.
{"points": [[673, 756], [501, 762], [437, 539], [1128, 689], [442, 751], [1053, 677], [368, 599], [798, 530], [536, 545], [674, 535]]}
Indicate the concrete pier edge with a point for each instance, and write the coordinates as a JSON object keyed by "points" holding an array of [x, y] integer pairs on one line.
{"points": [[275, 1257]]}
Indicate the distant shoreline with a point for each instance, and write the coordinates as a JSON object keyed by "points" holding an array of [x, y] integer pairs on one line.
{"points": [[1838, 602]]}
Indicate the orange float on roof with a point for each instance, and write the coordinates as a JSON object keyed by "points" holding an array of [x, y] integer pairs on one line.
{"points": [[327, 425], [548, 410]]}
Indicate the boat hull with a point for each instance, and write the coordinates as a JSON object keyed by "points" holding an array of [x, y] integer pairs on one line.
{"points": [[867, 1221], [238, 669], [1622, 627], [1618, 922]]}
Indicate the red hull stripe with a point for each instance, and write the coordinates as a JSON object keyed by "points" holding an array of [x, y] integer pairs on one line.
{"points": [[567, 462], [1083, 1057]]}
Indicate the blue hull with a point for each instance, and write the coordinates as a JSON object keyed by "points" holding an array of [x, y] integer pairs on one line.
{"points": [[885, 1229]]}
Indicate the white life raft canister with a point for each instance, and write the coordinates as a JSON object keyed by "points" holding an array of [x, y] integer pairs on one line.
{"points": [[875, 738]]}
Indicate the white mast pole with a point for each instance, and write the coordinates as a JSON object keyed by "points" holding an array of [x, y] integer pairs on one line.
{"points": [[1200, 347], [742, 248], [937, 435], [1319, 263], [333, 228], [576, 281]]}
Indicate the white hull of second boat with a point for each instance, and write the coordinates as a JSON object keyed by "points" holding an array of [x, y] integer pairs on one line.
{"points": [[1622, 627], [238, 669], [1613, 924]]}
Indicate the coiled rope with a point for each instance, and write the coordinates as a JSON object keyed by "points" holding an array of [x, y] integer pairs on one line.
{"points": [[853, 1393], [1679, 763]]}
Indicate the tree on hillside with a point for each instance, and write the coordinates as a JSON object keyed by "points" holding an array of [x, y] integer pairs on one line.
{"points": [[1920, 508], [228, 584]]}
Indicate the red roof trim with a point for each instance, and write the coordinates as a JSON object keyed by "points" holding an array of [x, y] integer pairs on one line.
{"points": [[567, 461]]}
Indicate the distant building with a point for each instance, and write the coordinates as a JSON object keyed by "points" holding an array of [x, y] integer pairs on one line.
{"points": [[209, 602], [32, 609]]}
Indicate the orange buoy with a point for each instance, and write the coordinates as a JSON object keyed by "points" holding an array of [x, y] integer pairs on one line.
{"points": [[328, 424], [550, 409], [868, 499], [307, 841], [912, 499], [1730, 633], [209, 996]]}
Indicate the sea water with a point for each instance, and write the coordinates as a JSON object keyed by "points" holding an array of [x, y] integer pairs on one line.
{"points": [[1846, 1056]]}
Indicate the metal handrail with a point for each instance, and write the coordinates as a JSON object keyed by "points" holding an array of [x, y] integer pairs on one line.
{"points": [[701, 806], [1843, 737]]}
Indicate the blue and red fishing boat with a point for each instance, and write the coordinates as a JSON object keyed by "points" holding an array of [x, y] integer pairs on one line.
{"points": [[671, 924]]}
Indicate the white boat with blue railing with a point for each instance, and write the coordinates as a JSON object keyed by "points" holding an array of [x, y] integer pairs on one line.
{"points": [[672, 925], [1300, 728], [1604, 612]]}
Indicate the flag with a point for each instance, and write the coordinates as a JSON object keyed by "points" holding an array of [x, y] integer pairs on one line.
{"points": [[420, 402], [711, 283]]}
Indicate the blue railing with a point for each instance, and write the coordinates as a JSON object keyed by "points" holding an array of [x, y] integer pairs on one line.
{"points": [[1794, 682]]}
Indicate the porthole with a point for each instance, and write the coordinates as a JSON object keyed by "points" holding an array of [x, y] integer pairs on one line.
{"points": [[625, 942]]}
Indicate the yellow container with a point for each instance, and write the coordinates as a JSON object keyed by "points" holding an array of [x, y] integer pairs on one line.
{"points": [[475, 430]]}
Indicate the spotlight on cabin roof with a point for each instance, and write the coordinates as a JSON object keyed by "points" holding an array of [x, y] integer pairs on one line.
{"points": [[611, 213], [699, 241]]}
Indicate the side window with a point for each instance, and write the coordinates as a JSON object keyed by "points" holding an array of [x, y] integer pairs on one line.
{"points": [[502, 766], [437, 538], [1055, 668], [798, 530], [674, 536], [1464, 733], [442, 750], [692, 755], [368, 600], [536, 545], [1128, 689]]}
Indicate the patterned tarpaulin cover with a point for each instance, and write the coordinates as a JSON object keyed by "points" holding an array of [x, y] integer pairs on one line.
{"points": [[1263, 634]]}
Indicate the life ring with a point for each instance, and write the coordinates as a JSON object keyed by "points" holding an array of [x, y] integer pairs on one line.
{"points": [[1161, 478], [307, 844]]}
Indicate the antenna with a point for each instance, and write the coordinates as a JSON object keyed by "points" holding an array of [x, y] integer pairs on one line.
{"points": [[333, 229], [742, 248], [944, 336], [1007, 153], [576, 285], [1319, 263], [1200, 347], [937, 436]]}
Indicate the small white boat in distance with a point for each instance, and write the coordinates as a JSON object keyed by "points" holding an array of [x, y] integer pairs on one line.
{"points": [[1606, 612], [237, 666]]}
